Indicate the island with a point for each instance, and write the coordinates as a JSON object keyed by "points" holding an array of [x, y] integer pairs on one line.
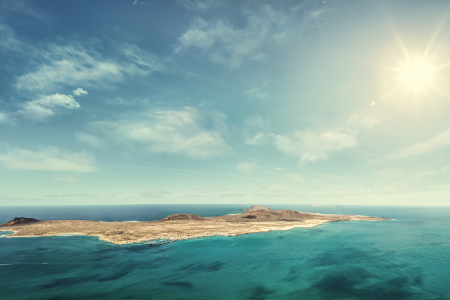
{"points": [[321, 205], [177, 227]]}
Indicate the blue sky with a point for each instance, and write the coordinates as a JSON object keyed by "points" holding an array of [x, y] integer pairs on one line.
{"points": [[207, 101]]}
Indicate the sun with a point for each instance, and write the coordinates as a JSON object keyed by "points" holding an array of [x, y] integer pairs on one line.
{"points": [[416, 75]]}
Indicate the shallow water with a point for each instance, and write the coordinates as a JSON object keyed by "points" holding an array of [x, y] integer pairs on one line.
{"points": [[407, 258]]}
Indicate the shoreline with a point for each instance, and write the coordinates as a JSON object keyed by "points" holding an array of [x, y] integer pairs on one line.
{"points": [[155, 239]]}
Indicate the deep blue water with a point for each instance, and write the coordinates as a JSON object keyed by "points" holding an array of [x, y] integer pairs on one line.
{"points": [[407, 258]]}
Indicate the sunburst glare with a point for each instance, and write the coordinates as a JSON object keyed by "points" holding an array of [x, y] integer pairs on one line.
{"points": [[416, 75]]}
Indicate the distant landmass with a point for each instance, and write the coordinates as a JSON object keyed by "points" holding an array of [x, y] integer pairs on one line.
{"points": [[256, 207], [321, 205], [178, 226]]}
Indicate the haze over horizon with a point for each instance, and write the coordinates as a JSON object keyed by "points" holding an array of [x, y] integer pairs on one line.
{"points": [[224, 102]]}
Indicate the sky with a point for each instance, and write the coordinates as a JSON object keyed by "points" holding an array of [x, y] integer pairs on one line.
{"points": [[224, 102]]}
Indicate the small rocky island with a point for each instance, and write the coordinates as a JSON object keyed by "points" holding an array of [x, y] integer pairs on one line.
{"points": [[178, 226]]}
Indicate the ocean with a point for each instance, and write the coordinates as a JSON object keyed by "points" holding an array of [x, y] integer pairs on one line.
{"points": [[406, 258]]}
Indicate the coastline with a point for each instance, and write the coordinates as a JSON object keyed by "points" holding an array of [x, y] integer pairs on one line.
{"points": [[156, 239]]}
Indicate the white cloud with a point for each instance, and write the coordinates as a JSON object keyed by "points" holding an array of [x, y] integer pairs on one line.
{"points": [[389, 175], [80, 92], [228, 45], [176, 132], [48, 159], [57, 100], [247, 168], [256, 94], [39, 110], [88, 139], [313, 145], [438, 142], [77, 66]]}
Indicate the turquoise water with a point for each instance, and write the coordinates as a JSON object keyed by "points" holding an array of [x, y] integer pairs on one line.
{"points": [[407, 258]]}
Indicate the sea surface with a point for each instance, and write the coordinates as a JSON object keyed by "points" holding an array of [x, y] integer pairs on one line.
{"points": [[406, 258]]}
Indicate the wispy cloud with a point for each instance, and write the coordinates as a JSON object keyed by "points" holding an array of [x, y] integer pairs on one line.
{"points": [[438, 142], [312, 144], [48, 159], [127, 102], [41, 109], [229, 46], [20, 6], [88, 139], [170, 131], [77, 66], [253, 130], [8, 39], [143, 58]]}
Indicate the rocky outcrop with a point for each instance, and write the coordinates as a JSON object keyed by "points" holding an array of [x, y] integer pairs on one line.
{"points": [[268, 215], [183, 217], [20, 221]]}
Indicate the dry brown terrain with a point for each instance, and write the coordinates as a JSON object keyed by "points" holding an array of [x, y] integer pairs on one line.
{"points": [[177, 227]]}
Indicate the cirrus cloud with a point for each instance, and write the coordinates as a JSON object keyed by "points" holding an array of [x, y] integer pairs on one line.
{"points": [[75, 65]]}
